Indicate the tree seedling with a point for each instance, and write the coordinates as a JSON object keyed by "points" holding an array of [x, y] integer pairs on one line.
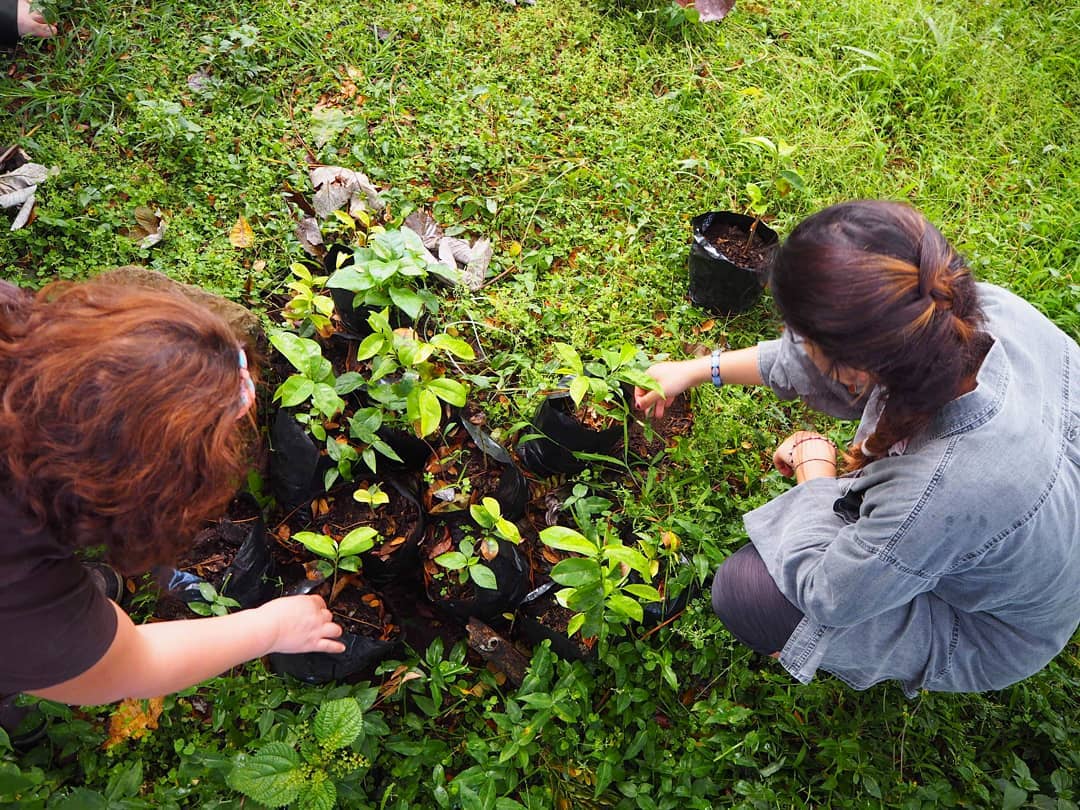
{"points": [[782, 178], [215, 604], [343, 555], [467, 559], [404, 379], [597, 584]]}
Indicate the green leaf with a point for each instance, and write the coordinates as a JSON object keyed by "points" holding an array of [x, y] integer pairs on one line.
{"points": [[483, 576], [579, 388], [317, 544], [575, 623], [585, 598], [370, 346], [570, 359], [626, 606], [338, 723], [646, 592], [453, 560], [1013, 797], [358, 541], [294, 390], [428, 411], [507, 530], [349, 564], [408, 301], [385, 365], [794, 178], [449, 391], [564, 539], [272, 777], [761, 142], [577, 572], [299, 351], [628, 556], [455, 346], [352, 278], [486, 512], [348, 382], [318, 795], [325, 398], [125, 783]]}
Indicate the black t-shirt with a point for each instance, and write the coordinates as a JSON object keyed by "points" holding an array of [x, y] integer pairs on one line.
{"points": [[54, 622]]}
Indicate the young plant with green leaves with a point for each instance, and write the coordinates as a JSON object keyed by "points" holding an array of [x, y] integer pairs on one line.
{"points": [[307, 771], [308, 310], [600, 382], [390, 271], [598, 585], [214, 604], [373, 496], [780, 177], [482, 545], [339, 555], [313, 381], [405, 379]]}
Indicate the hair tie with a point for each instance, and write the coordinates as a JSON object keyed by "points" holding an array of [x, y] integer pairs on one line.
{"points": [[247, 385]]}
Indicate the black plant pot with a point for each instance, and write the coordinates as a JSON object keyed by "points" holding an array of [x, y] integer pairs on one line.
{"points": [[404, 561], [562, 435], [719, 283], [414, 452], [296, 465], [361, 656], [249, 578], [513, 490], [511, 571], [535, 631]]}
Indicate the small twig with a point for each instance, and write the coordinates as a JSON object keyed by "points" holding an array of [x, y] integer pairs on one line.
{"points": [[664, 623]]}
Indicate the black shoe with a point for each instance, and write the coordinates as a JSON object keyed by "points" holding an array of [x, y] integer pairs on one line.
{"points": [[25, 725], [108, 580]]}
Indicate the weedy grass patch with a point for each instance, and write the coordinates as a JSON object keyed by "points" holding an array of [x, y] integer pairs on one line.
{"points": [[580, 139]]}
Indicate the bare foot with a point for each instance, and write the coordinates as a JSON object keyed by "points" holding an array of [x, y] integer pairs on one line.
{"points": [[32, 23]]}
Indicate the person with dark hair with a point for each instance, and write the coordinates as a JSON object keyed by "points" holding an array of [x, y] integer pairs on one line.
{"points": [[948, 554], [18, 20], [125, 414]]}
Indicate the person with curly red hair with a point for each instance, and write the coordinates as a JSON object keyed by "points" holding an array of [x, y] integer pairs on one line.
{"points": [[125, 414]]}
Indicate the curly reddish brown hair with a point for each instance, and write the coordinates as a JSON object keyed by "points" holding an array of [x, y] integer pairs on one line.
{"points": [[119, 414]]}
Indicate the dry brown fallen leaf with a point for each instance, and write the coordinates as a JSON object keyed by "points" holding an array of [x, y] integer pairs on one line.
{"points": [[241, 235], [133, 719]]}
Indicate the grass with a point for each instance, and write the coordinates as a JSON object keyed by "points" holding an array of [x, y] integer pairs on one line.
{"points": [[588, 135]]}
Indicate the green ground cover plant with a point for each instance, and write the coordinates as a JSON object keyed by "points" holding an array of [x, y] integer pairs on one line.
{"points": [[580, 139]]}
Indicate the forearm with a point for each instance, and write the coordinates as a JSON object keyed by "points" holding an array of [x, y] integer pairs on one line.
{"points": [[153, 659], [739, 367], [178, 654]]}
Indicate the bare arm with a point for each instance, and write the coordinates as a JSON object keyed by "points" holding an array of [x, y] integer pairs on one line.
{"points": [[154, 659], [739, 367]]}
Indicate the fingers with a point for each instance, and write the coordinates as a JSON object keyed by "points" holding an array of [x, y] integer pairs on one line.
{"points": [[651, 403], [32, 23], [781, 465], [328, 646]]}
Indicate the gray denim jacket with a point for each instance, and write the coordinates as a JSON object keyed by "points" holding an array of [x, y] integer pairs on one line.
{"points": [[956, 566]]}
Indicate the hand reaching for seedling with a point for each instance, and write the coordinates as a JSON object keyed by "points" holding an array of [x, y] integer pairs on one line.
{"points": [[303, 624], [674, 377]]}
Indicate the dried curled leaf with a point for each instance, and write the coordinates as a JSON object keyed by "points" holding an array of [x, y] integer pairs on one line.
{"points": [[241, 235], [133, 719]]}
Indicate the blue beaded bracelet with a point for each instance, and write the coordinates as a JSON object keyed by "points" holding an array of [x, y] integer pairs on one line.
{"points": [[717, 380]]}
